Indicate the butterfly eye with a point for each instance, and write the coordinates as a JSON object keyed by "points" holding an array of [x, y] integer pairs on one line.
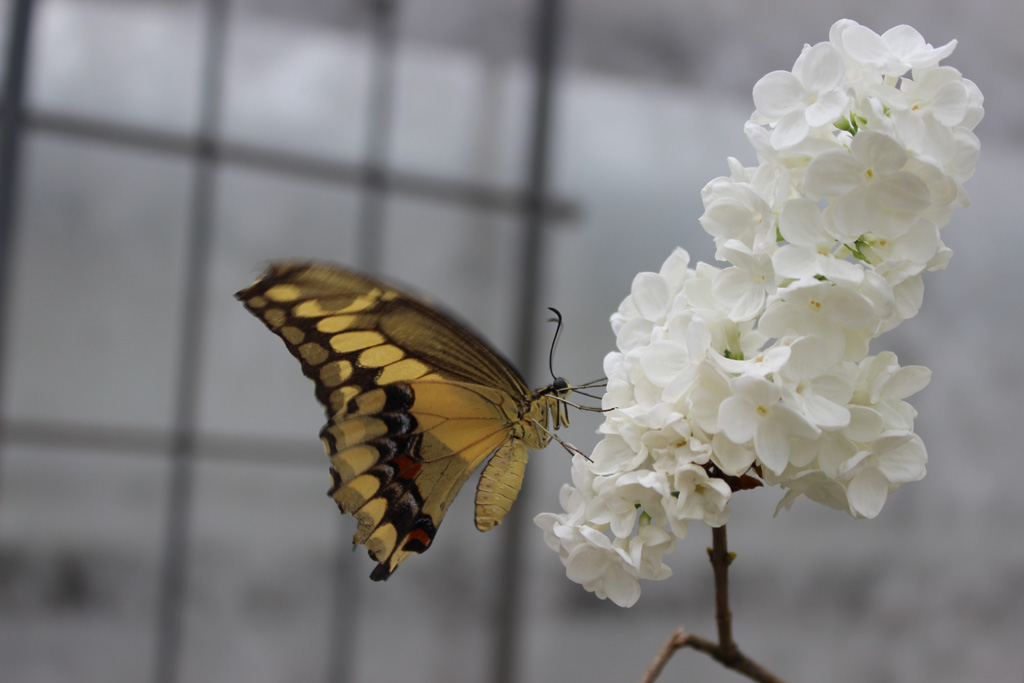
{"points": [[560, 386]]}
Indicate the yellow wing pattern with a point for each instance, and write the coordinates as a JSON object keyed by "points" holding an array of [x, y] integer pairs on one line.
{"points": [[415, 402]]}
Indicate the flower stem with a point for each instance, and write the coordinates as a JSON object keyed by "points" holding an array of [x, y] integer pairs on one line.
{"points": [[725, 650], [720, 561]]}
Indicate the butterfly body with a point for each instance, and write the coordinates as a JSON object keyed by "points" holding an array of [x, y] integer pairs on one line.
{"points": [[415, 402]]}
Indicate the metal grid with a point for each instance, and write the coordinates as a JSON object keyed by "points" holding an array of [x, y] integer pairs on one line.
{"points": [[184, 442]]}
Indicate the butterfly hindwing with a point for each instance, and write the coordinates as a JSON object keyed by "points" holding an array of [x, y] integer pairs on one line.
{"points": [[415, 402], [396, 471]]}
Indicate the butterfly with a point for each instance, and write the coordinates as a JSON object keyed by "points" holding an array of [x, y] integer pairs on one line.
{"points": [[415, 402]]}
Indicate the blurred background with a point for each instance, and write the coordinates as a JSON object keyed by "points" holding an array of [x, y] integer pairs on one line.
{"points": [[162, 507]]}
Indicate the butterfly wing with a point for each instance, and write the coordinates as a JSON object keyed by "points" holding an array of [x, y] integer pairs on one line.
{"points": [[414, 401]]}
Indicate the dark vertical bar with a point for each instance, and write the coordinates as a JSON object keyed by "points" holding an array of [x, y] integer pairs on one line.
{"points": [[342, 633], [10, 147], [384, 15], [546, 32], [171, 607]]}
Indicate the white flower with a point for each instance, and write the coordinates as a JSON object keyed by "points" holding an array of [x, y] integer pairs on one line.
{"points": [[667, 365], [744, 286], [882, 384], [868, 187], [811, 96], [811, 249], [756, 411], [760, 369], [612, 455], [895, 458], [895, 52], [931, 108], [711, 389], [975, 110], [737, 211], [651, 296], [819, 390], [816, 486], [609, 568], [646, 550], [620, 499], [810, 307], [697, 496], [897, 259], [603, 568], [676, 269]]}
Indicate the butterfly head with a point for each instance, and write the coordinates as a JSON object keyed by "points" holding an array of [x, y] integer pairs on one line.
{"points": [[559, 387]]}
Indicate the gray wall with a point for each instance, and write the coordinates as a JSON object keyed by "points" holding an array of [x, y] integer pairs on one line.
{"points": [[651, 101]]}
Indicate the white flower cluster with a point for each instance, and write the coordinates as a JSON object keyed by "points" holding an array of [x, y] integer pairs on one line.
{"points": [[759, 371]]}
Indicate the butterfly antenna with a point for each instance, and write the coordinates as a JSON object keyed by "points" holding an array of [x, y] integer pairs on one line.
{"points": [[595, 384], [577, 406], [554, 342]]}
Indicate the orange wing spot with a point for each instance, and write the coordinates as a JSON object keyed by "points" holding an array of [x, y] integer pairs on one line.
{"points": [[417, 535], [407, 467]]}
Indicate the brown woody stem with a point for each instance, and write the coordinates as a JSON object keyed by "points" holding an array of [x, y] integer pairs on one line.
{"points": [[725, 650]]}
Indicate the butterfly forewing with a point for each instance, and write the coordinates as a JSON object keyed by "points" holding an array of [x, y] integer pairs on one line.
{"points": [[414, 402]]}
